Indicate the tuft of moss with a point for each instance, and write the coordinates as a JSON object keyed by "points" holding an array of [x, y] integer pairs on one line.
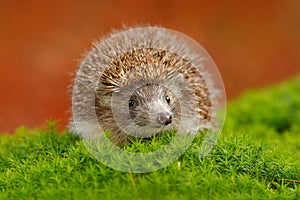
{"points": [[256, 157], [276, 108]]}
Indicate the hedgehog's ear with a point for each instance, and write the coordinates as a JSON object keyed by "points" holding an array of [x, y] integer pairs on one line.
{"points": [[177, 80], [176, 85], [102, 96]]}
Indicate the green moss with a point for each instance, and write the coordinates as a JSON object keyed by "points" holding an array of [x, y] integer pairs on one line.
{"points": [[256, 157], [277, 108]]}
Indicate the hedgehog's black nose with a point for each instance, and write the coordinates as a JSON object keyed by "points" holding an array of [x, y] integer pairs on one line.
{"points": [[164, 118]]}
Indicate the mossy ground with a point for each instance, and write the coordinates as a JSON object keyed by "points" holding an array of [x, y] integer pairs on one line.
{"points": [[256, 157]]}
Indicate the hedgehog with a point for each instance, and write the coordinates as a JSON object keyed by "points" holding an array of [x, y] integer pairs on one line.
{"points": [[139, 82]]}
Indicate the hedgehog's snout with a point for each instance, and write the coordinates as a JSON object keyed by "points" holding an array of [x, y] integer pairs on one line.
{"points": [[164, 118]]}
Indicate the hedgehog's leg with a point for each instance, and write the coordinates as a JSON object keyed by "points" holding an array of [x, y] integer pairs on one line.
{"points": [[118, 137]]}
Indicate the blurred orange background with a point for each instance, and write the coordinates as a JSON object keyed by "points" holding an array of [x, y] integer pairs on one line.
{"points": [[254, 43]]}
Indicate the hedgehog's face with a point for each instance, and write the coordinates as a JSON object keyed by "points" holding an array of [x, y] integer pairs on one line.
{"points": [[152, 106]]}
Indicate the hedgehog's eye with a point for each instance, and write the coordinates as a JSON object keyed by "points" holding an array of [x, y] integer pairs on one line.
{"points": [[131, 103], [168, 99]]}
